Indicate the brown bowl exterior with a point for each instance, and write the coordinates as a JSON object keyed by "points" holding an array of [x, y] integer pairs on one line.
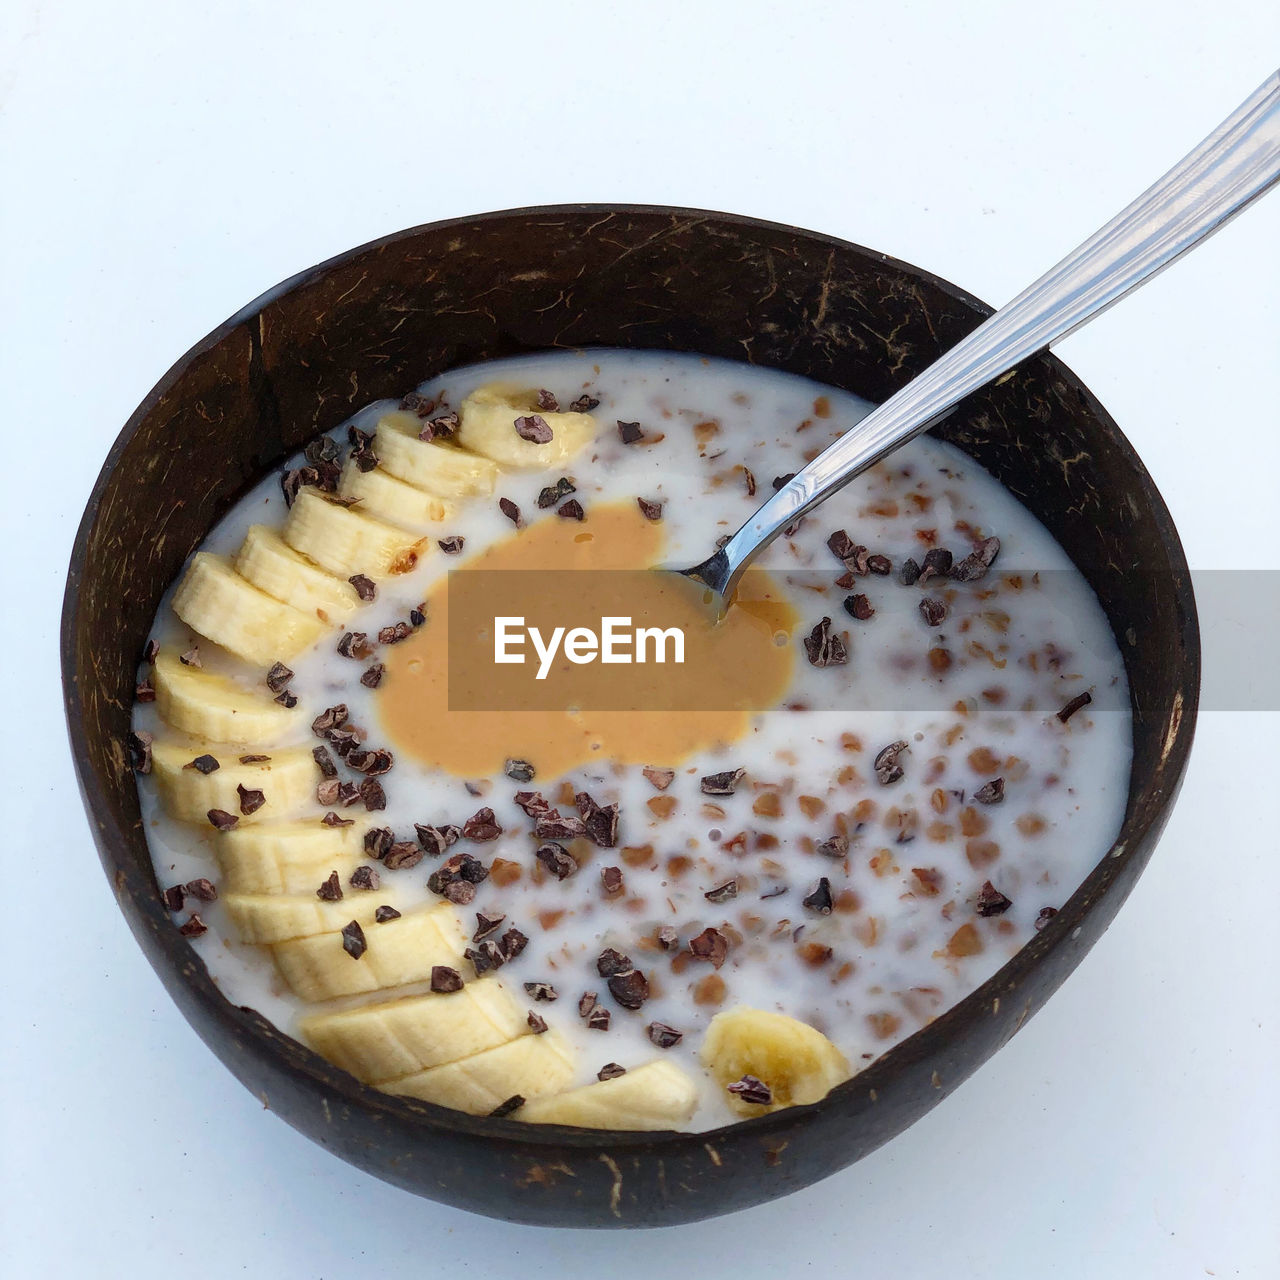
{"points": [[378, 320]]}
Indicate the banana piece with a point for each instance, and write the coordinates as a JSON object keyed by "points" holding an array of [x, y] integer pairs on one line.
{"points": [[286, 857], [218, 603], [213, 707], [438, 469], [287, 779], [398, 952], [265, 918], [530, 1066], [657, 1095], [486, 425], [382, 495], [272, 565], [346, 542], [397, 1038], [796, 1061]]}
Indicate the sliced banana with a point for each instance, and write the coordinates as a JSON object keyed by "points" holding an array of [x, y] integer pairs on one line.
{"points": [[218, 603], [397, 953], [487, 426], [796, 1061], [657, 1095], [286, 857], [287, 780], [382, 495], [397, 1038], [272, 565], [530, 1066], [346, 542], [264, 918], [216, 708], [437, 469]]}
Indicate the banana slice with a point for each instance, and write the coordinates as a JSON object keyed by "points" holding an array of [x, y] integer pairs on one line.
{"points": [[218, 603], [486, 425], [345, 542], [382, 495], [397, 952], [796, 1061], [264, 918], [287, 779], [213, 707], [272, 565], [657, 1095], [530, 1066], [398, 1038], [286, 857], [437, 469]]}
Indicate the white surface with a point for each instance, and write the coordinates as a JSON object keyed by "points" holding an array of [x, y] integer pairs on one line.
{"points": [[161, 170]]}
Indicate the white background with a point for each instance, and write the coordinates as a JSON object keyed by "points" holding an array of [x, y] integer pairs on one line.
{"points": [[161, 164]]}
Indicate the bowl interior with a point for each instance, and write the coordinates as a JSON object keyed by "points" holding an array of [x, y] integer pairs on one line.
{"points": [[379, 320]]}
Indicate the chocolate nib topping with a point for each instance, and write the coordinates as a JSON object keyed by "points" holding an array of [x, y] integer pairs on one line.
{"points": [[668, 938], [372, 763], [139, 749], [439, 428], [609, 962], [513, 1103], [552, 826], [933, 611], [221, 819], [557, 860], [202, 890], [629, 432], [552, 494], [331, 889], [1046, 914], [191, 658], [880, 565], [364, 878], [194, 927], [254, 759], [355, 644], [487, 924], [518, 770], [325, 761], [203, 764], [513, 942], [858, 607], [435, 840], [451, 545], [842, 546], [333, 820], [722, 893], [481, 826], [630, 989], [365, 587], [572, 510], [384, 913], [250, 800], [534, 428], [378, 841], [990, 792], [820, 899], [485, 958], [537, 1023], [395, 633], [977, 562], [610, 1071], [909, 574], [541, 991], [611, 880], [599, 1018], [287, 699], [330, 718], [547, 401], [509, 509], [372, 678], [586, 1003], [710, 945], [650, 508], [823, 648], [720, 784], [373, 795], [663, 1036], [353, 940], [1080, 700], [444, 979], [584, 404], [836, 847], [887, 767], [937, 564], [144, 691], [402, 855], [173, 897], [991, 902], [599, 822], [749, 1089], [534, 803], [278, 677]]}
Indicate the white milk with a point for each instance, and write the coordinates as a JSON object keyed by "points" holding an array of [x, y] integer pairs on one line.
{"points": [[890, 971]]}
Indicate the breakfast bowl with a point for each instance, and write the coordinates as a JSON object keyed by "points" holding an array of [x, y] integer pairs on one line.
{"points": [[366, 325]]}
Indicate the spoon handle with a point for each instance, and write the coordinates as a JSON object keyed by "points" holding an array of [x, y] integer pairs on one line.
{"points": [[1233, 166]]}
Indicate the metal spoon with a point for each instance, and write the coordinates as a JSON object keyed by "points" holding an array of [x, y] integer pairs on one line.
{"points": [[1233, 166]]}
